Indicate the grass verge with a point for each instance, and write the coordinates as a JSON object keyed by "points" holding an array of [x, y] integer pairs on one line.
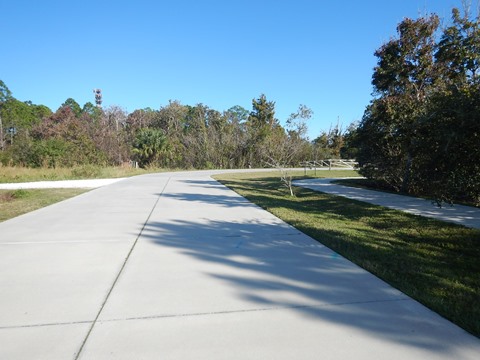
{"points": [[12, 174], [434, 262], [17, 202]]}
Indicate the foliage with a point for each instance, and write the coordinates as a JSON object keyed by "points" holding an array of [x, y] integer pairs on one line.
{"points": [[73, 106], [149, 145], [420, 133], [18, 118], [287, 146], [348, 149], [174, 136], [297, 121], [5, 92], [91, 110], [260, 127], [329, 145]]}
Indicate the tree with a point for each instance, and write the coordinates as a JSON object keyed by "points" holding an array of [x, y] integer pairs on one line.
{"points": [[458, 53], [16, 119], [403, 79], [280, 151], [448, 160], [114, 116], [329, 144], [235, 137], [22, 115], [149, 145], [405, 64], [218, 132], [92, 111], [297, 121], [80, 135], [451, 129], [5, 93], [420, 134], [262, 118], [297, 135], [283, 148], [138, 119], [260, 125], [41, 111], [237, 114], [171, 119], [73, 105], [107, 127], [349, 149]]}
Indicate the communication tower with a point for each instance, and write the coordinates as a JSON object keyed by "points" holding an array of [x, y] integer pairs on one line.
{"points": [[98, 97]]}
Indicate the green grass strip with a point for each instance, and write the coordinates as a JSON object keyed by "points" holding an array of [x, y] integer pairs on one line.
{"points": [[17, 202], [11, 174], [434, 262]]}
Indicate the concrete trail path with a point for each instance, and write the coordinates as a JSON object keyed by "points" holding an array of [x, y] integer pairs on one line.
{"points": [[458, 214], [177, 266], [60, 184]]}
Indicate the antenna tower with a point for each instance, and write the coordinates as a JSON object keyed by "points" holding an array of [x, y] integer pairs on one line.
{"points": [[98, 97]]}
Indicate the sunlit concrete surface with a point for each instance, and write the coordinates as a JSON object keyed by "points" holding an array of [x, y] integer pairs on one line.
{"points": [[459, 214]]}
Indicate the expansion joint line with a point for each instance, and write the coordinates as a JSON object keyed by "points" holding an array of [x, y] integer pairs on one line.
{"points": [[77, 356]]}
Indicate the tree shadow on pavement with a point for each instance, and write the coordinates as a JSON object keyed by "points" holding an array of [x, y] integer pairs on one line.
{"points": [[268, 264]]}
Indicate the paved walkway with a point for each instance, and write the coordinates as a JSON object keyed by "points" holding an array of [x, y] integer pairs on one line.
{"points": [[176, 266], [463, 215], [60, 184]]}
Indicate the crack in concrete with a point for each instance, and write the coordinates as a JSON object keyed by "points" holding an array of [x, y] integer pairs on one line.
{"points": [[46, 324], [273, 308], [210, 313], [120, 272]]}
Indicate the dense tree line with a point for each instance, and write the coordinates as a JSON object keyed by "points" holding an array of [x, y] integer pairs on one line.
{"points": [[174, 136], [421, 132]]}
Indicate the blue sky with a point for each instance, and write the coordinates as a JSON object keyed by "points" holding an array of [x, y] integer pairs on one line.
{"points": [[220, 53]]}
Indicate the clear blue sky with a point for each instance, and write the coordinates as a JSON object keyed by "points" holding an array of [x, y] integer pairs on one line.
{"points": [[221, 53]]}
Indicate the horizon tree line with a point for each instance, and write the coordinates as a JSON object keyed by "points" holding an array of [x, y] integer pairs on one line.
{"points": [[174, 136]]}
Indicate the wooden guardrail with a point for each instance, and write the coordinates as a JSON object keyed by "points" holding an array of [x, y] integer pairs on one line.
{"points": [[330, 163]]}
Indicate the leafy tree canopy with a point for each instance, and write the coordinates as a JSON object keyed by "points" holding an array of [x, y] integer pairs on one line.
{"points": [[73, 105], [5, 93]]}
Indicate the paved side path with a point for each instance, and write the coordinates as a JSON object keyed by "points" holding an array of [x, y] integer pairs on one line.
{"points": [[463, 215], [60, 184], [176, 266]]}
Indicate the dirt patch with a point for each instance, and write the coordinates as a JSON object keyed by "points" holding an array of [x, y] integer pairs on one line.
{"points": [[6, 197]]}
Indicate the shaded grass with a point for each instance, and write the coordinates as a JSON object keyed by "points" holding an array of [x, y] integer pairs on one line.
{"points": [[17, 202], [434, 262]]}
